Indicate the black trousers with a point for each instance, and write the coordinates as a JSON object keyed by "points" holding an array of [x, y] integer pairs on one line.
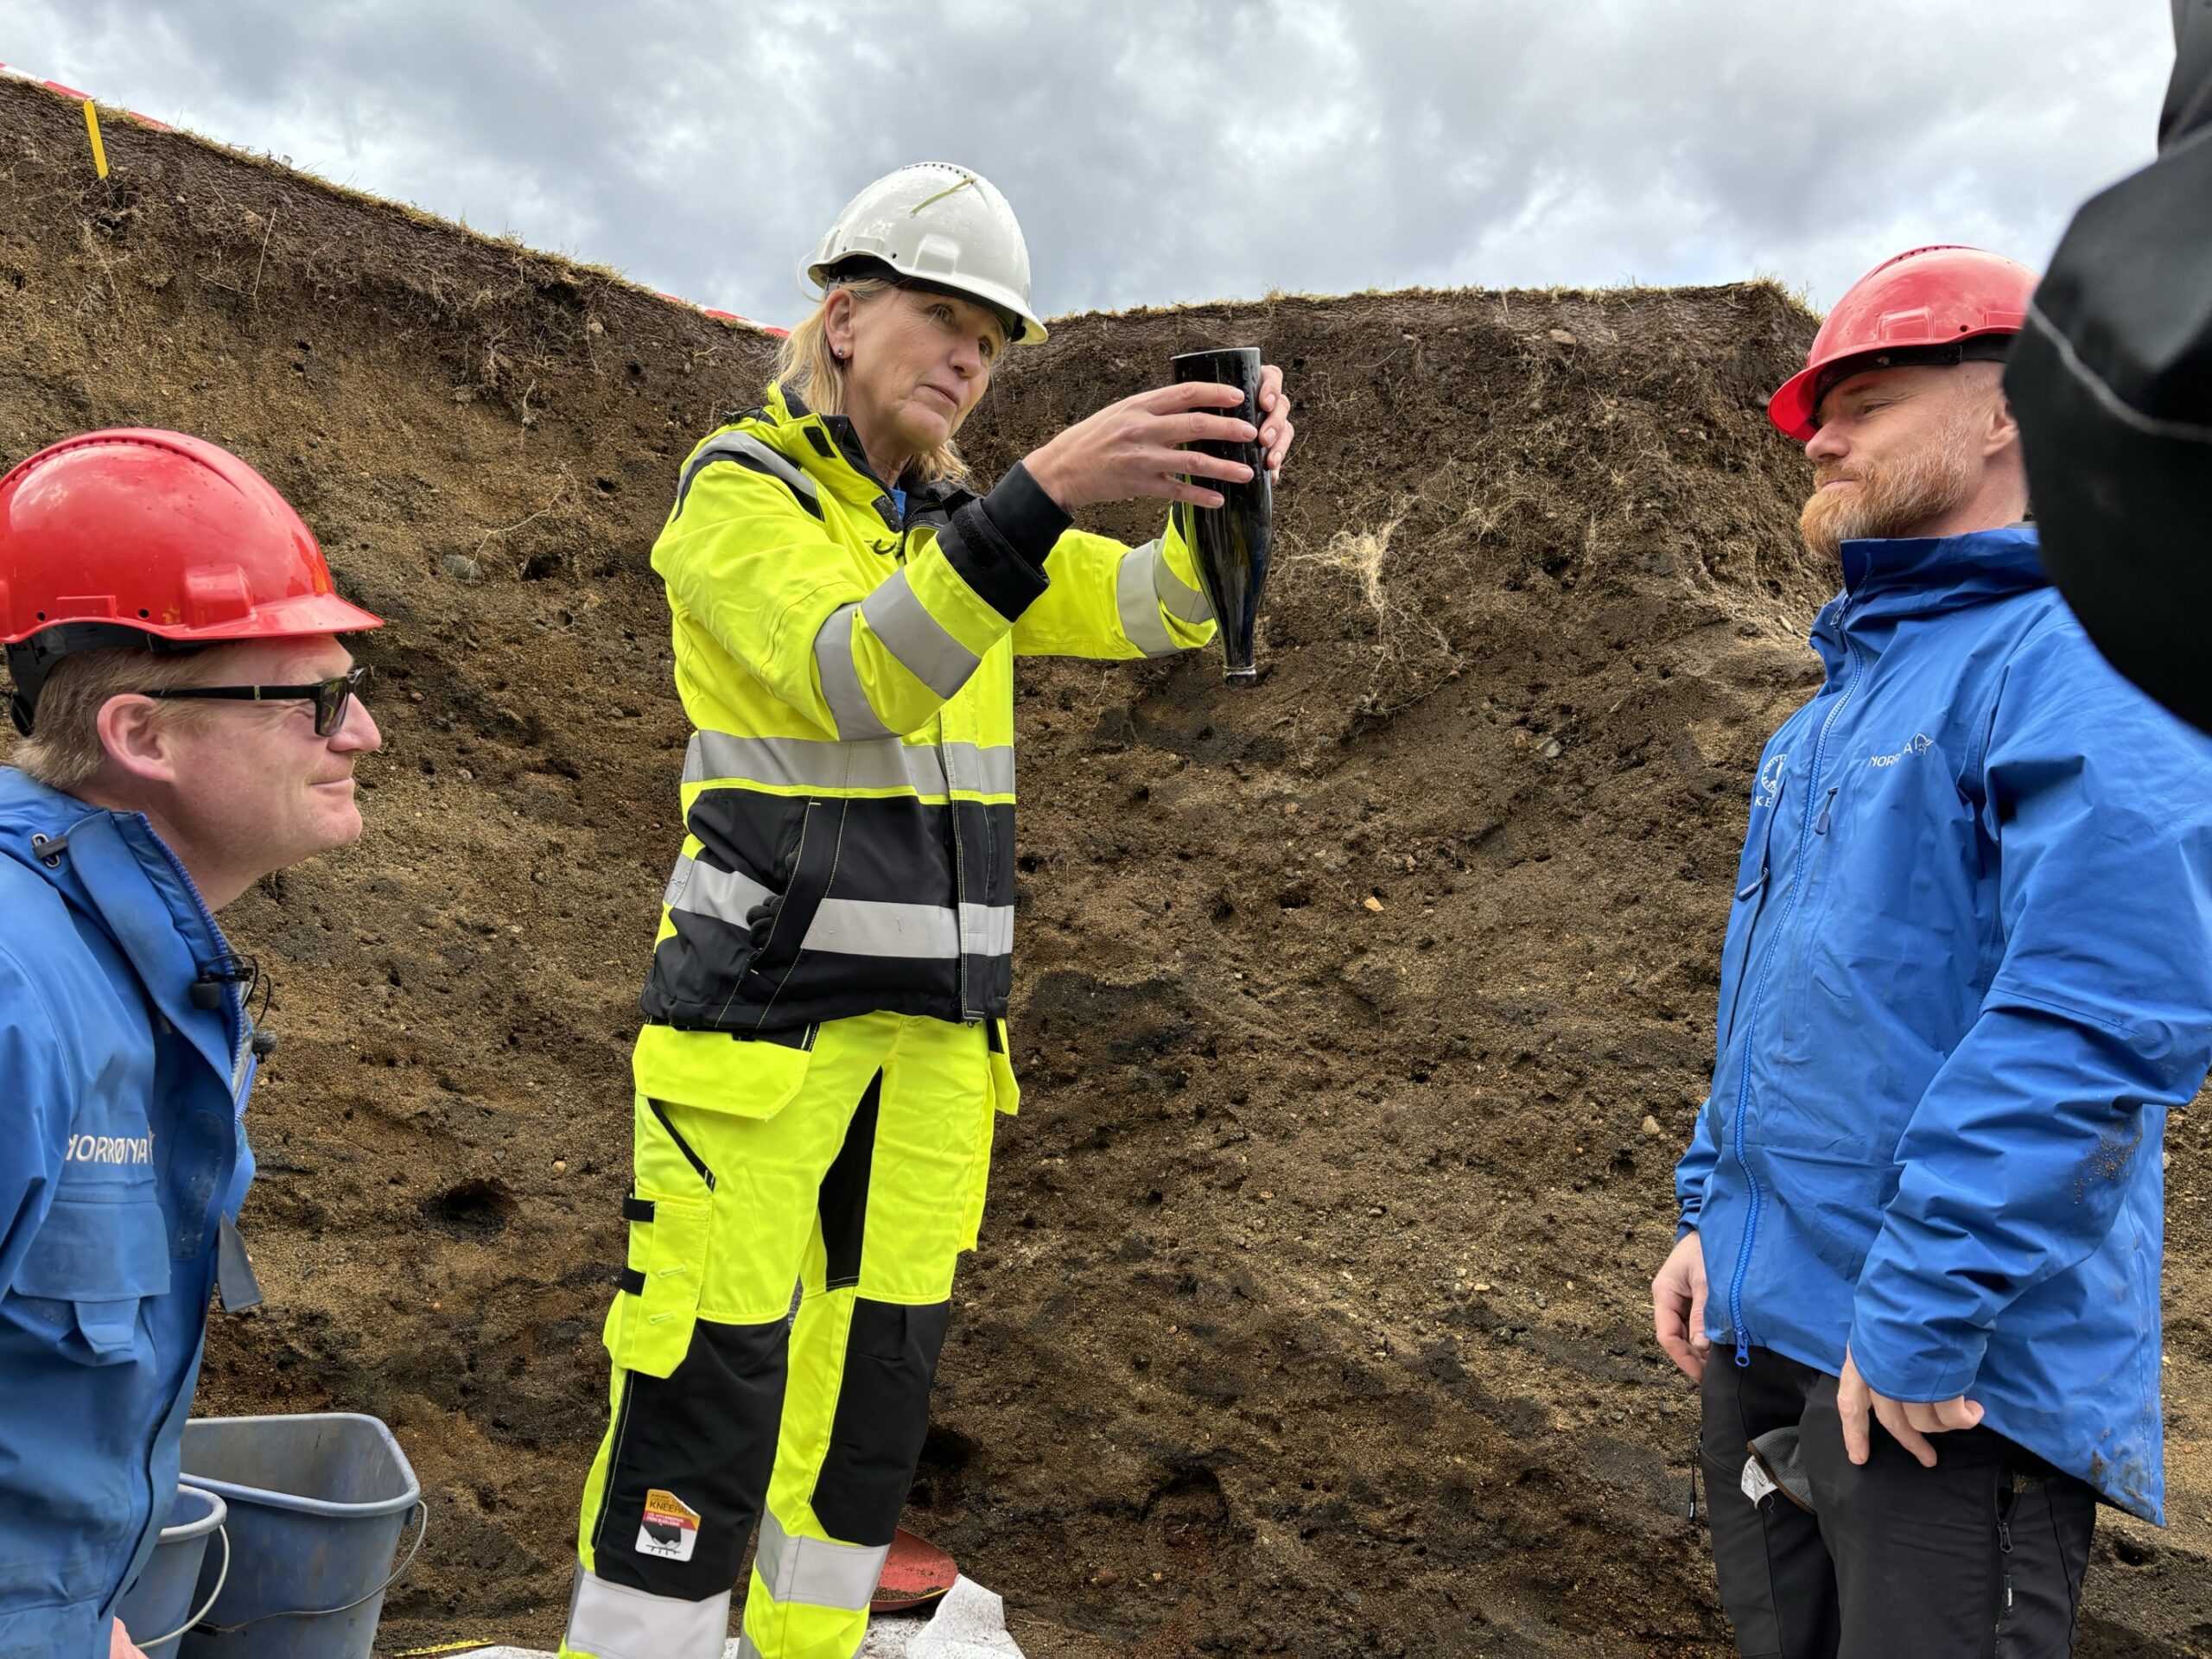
{"points": [[1980, 1557]]}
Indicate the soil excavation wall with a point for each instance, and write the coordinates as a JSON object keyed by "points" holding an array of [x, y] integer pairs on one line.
{"points": [[1361, 1014]]}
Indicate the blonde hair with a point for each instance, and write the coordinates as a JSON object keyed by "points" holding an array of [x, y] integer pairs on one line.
{"points": [[807, 369], [65, 752]]}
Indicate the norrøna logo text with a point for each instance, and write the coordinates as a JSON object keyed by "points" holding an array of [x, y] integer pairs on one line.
{"points": [[111, 1149], [1920, 745]]}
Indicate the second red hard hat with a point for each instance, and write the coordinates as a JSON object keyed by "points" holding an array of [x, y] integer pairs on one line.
{"points": [[137, 534], [163, 534], [1917, 308]]}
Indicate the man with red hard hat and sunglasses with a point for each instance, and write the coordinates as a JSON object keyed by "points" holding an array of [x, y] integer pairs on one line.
{"points": [[1967, 974], [189, 725]]}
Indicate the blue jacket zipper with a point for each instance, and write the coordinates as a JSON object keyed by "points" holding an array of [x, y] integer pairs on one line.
{"points": [[1752, 889], [1758, 994]]}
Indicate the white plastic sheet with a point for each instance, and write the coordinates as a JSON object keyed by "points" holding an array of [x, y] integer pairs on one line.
{"points": [[969, 1623]]}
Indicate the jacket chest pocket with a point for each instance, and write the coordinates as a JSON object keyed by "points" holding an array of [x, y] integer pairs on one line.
{"points": [[94, 1261]]}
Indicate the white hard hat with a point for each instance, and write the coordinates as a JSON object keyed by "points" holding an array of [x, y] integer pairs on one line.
{"points": [[945, 227]]}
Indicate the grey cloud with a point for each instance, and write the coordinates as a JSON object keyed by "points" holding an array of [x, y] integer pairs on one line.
{"points": [[1166, 150]]}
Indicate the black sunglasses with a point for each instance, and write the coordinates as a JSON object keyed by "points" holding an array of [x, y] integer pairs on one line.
{"points": [[331, 697]]}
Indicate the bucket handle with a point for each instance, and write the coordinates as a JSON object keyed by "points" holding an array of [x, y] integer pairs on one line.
{"points": [[207, 1606], [422, 1531]]}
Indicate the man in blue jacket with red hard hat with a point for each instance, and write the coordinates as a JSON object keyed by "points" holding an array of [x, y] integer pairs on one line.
{"points": [[1967, 974], [189, 728]]}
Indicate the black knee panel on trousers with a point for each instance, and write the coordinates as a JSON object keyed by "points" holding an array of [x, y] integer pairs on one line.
{"points": [[883, 1416], [705, 1437]]}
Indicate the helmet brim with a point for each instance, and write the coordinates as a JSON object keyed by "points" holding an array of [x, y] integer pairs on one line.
{"points": [[1026, 328], [303, 616], [1791, 408]]}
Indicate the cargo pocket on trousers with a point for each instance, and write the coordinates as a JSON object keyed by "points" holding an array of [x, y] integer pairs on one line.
{"points": [[1005, 1097], [744, 1076], [649, 1330]]}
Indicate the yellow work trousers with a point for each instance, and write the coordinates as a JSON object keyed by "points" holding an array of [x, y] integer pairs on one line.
{"points": [[855, 1173]]}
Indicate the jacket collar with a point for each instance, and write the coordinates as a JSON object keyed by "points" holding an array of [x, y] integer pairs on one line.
{"points": [[1913, 575], [1888, 581], [830, 449], [113, 867]]}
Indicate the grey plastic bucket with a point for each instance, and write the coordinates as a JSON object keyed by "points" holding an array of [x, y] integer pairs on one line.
{"points": [[162, 1601], [317, 1505]]}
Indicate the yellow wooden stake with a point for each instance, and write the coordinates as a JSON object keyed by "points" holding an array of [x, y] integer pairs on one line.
{"points": [[92, 131]]}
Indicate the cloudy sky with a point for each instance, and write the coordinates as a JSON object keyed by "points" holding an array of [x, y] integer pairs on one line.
{"points": [[1166, 150]]}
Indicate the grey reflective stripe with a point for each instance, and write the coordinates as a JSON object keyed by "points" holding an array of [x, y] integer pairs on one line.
{"points": [[918, 639], [724, 894], [679, 878], [794, 762], [745, 1650], [1139, 604], [851, 927], [740, 443], [978, 769], [986, 930], [1177, 597], [815, 1573], [841, 680], [859, 927], [984, 771], [616, 1622], [814, 763]]}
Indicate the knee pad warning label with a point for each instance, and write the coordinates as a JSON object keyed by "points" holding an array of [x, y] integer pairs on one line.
{"points": [[670, 1529]]}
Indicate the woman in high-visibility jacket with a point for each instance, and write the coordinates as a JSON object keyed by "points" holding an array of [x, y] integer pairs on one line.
{"points": [[825, 1051]]}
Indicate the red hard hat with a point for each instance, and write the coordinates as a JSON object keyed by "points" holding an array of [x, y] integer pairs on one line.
{"points": [[109, 538], [1922, 307]]}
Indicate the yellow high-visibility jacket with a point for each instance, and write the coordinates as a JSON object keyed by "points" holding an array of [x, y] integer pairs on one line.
{"points": [[848, 663]]}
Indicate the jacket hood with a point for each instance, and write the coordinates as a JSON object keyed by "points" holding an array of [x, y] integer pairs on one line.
{"points": [[114, 868]]}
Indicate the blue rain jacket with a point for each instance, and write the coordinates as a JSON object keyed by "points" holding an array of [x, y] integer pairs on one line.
{"points": [[1967, 973], [123, 1150]]}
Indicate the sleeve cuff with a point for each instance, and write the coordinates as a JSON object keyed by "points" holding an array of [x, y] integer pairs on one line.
{"points": [[1912, 1369], [1030, 520], [998, 544]]}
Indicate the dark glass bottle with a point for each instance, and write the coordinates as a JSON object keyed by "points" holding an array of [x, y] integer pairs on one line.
{"points": [[1232, 541]]}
